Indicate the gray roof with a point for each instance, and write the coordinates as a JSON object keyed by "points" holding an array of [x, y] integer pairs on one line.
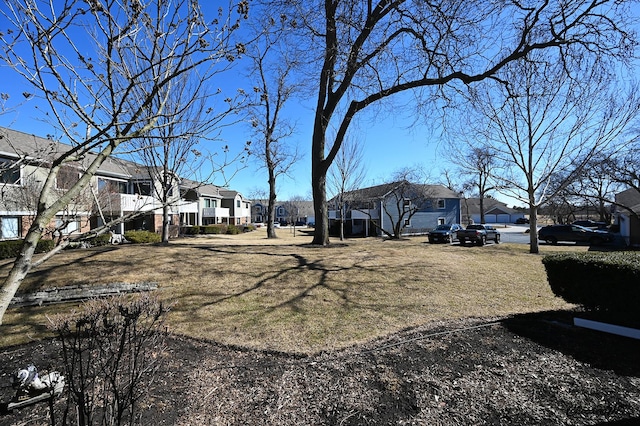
{"points": [[491, 206], [629, 198], [381, 191], [23, 145], [17, 144]]}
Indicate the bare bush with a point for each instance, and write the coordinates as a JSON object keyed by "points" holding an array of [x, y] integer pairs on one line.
{"points": [[111, 351]]}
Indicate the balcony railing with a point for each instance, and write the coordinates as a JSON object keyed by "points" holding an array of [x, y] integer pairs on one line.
{"points": [[129, 203], [215, 212]]}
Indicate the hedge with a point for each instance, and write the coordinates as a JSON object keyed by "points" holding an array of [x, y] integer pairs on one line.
{"points": [[191, 230], [11, 248], [233, 230], [142, 237], [605, 282], [100, 240], [214, 229]]}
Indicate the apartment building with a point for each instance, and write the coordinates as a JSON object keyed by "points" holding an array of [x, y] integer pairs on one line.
{"points": [[119, 189]]}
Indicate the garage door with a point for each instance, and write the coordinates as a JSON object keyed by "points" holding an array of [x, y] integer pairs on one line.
{"points": [[503, 218]]}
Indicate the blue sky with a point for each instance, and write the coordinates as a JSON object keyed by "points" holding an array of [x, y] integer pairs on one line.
{"points": [[391, 138], [390, 141]]}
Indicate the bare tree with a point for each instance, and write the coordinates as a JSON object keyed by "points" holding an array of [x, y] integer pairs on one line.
{"points": [[174, 150], [100, 97], [272, 69], [367, 51], [623, 168], [474, 167], [395, 202], [605, 175], [294, 207], [545, 122], [346, 175]]}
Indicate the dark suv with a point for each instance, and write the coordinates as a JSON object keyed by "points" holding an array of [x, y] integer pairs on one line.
{"points": [[444, 234], [579, 234], [590, 224]]}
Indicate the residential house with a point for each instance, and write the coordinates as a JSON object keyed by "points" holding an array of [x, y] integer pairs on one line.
{"points": [[369, 210], [259, 211], [239, 207], [628, 219], [24, 161], [120, 188], [298, 211], [494, 211], [201, 205], [123, 188]]}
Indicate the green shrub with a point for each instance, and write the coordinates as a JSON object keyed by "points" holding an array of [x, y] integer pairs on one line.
{"points": [[100, 240], [233, 230], [44, 246], [214, 229], [191, 230], [11, 248], [603, 282], [142, 237]]}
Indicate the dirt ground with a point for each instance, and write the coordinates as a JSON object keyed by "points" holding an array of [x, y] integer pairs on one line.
{"points": [[534, 369]]}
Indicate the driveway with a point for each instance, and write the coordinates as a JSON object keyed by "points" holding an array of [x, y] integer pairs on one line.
{"points": [[512, 233]]}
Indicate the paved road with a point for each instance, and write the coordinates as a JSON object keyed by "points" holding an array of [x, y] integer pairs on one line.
{"points": [[513, 233]]}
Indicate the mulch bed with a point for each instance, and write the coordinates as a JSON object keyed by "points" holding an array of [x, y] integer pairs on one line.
{"points": [[532, 369]]}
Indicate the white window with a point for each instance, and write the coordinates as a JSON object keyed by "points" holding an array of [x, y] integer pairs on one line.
{"points": [[67, 225], [441, 221], [238, 221], [407, 222], [112, 186], [441, 204], [9, 227], [406, 203], [143, 188]]}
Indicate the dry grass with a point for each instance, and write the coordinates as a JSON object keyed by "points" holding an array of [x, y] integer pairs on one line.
{"points": [[287, 295]]}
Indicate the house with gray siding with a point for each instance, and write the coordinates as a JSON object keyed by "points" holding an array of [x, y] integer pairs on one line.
{"points": [[628, 217], [404, 207]]}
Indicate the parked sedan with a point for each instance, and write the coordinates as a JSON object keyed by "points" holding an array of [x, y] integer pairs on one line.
{"points": [[444, 234], [579, 234]]}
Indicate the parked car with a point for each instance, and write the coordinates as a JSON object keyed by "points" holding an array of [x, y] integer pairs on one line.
{"points": [[521, 221], [590, 224], [479, 234], [444, 233], [573, 233]]}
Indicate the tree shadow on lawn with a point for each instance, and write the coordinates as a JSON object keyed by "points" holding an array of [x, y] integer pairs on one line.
{"points": [[302, 265], [38, 277], [555, 330]]}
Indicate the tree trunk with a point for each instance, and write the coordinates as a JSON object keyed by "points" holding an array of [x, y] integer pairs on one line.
{"points": [[534, 244], [21, 267], [271, 206], [321, 231], [165, 224], [319, 180]]}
